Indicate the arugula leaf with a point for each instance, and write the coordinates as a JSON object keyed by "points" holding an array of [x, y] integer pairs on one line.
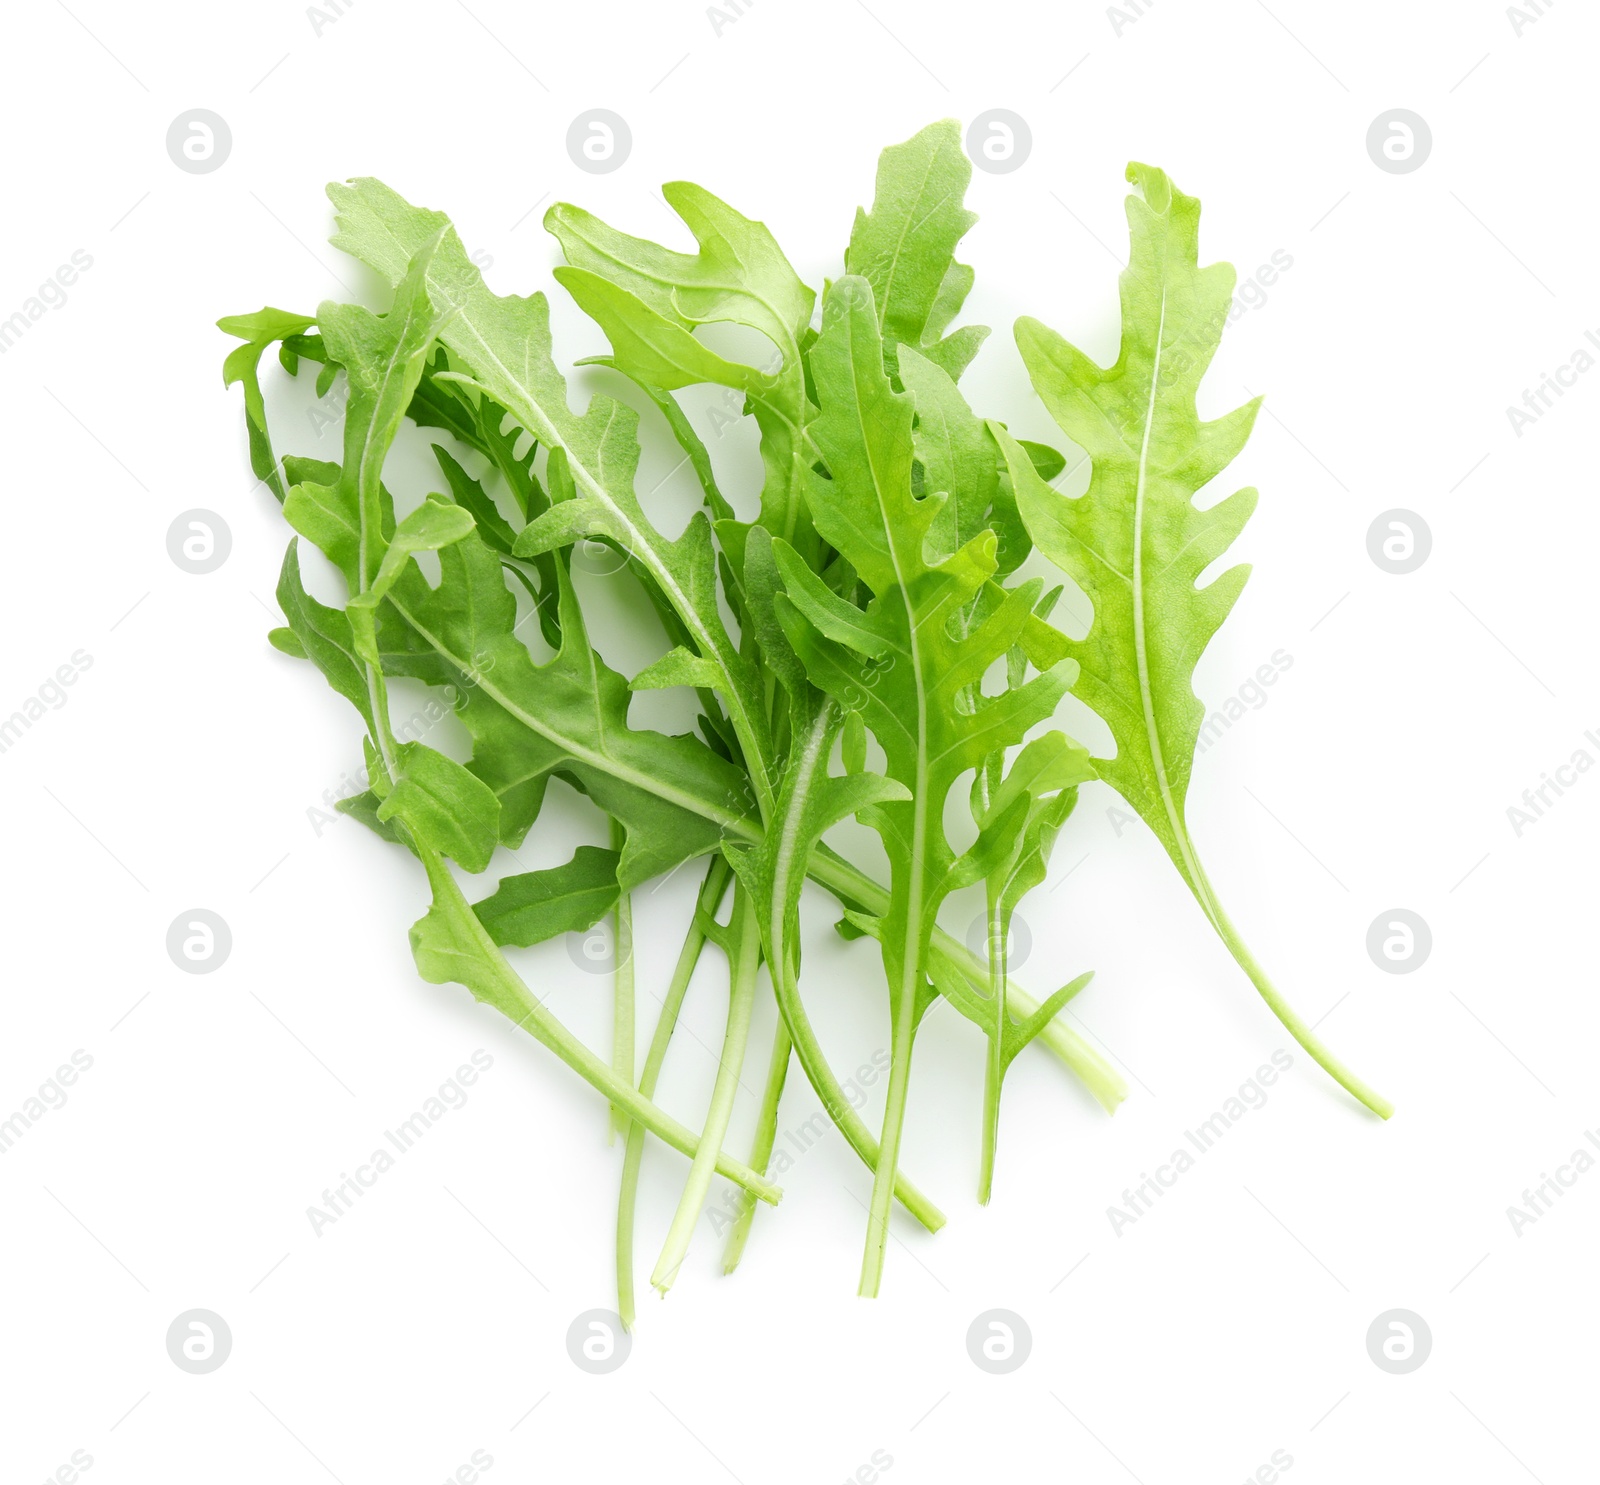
{"points": [[1018, 817], [441, 804], [875, 591], [674, 797], [534, 906], [1136, 543], [809, 802], [259, 330], [503, 344], [865, 508], [434, 524], [649, 299], [905, 248]]}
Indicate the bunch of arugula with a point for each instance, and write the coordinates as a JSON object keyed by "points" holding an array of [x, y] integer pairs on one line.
{"points": [[874, 592]]}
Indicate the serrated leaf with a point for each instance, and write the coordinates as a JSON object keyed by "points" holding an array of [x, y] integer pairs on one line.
{"points": [[739, 274], [823, 609], [1137, 543], [959, 457], [648, 299], [905, 247], [504, 343], [674, 797], [434, 524], [1047, 462], [909, 696], [324, 634]]}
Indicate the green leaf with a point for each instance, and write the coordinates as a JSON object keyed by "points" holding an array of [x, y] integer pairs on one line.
{"points": [[537, 905], [285, 641], [470, 494], [1137, 543], [905, 247], [823, 609], [649, 299], [443, 805], [689, 441], [1046, 765], [243, 364], [504, 343], [364, 807], [959, 457], [1019, 1034], [909, 694], [853, 746], [676, 668], [1047, 462], [451, 946], [675, 798], [434, 524], [762, 583], [324, 634], [847, 928], [739, 275], [647, 344]]}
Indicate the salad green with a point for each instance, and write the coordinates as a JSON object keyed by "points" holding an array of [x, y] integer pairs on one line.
{"points": [[868, 612]]}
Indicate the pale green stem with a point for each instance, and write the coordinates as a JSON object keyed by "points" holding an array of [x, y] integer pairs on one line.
{"points": [[828, 1089], [994, 1063], [716, 883], [744, 959], [761, 1146], [1280, 1007], [500, 986], [894, 1114], [622, 999], [849, 882], [783, 967]]}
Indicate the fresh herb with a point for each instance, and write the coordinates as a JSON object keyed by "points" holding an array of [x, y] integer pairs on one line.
{"points": [[874, 595], [1136, 543]]}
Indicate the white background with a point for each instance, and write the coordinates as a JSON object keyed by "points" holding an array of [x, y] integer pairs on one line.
{"points": [[1228, 1323]]}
